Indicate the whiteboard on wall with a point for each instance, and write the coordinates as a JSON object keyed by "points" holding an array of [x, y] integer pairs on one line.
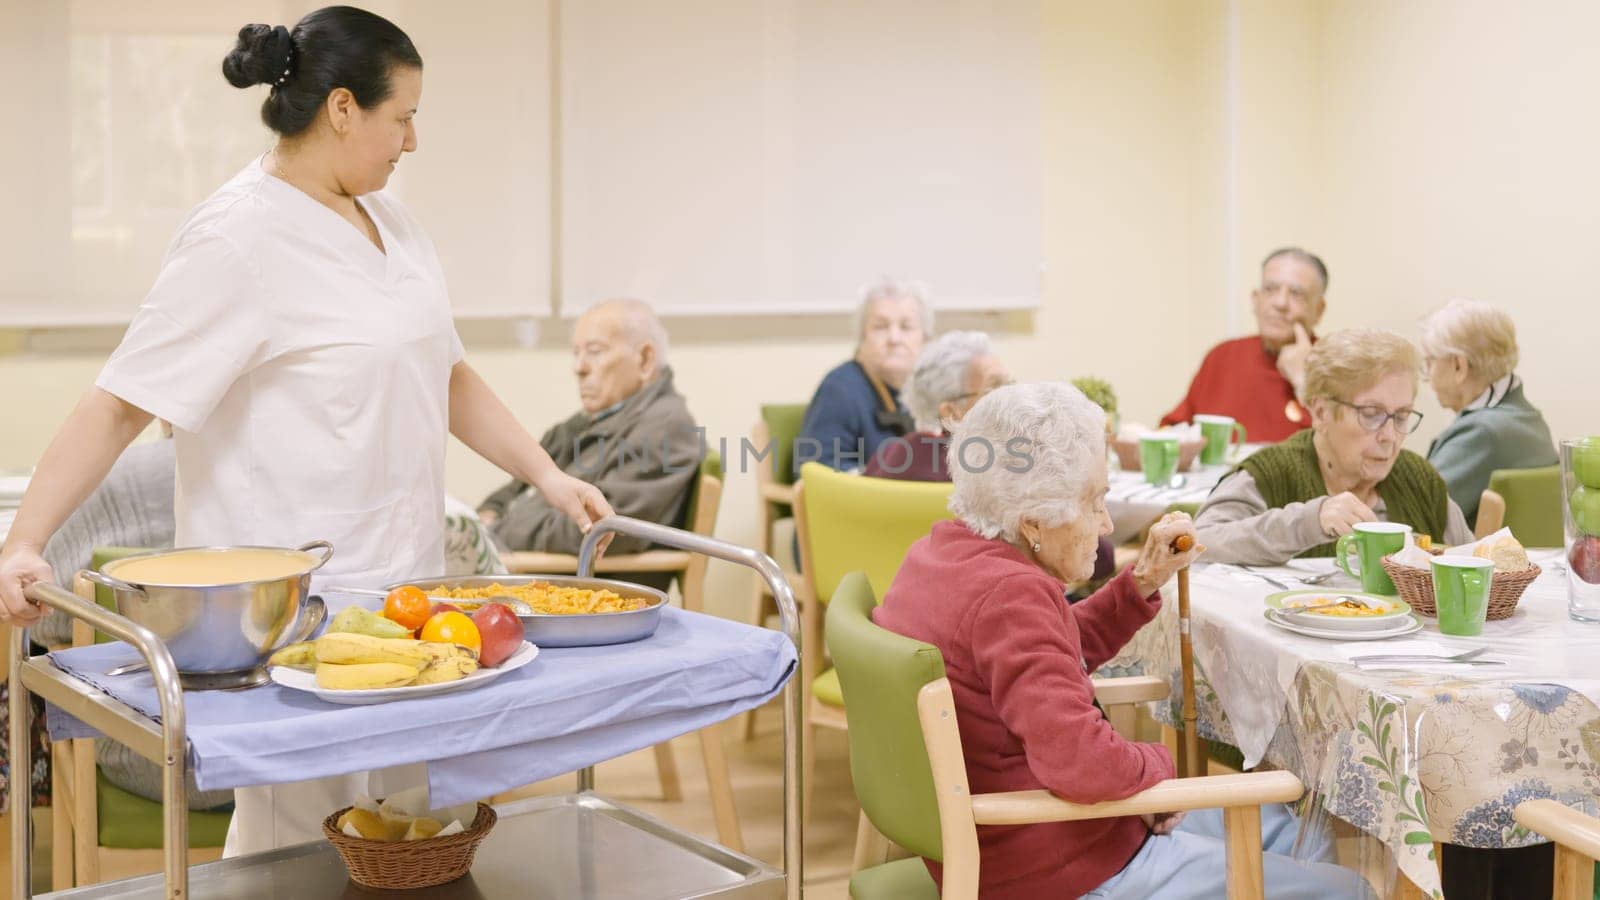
{"points": [[131, 124], [736, 157]]}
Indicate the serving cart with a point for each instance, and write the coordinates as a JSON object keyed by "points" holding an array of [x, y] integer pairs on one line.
{"points": [[579, 845]]}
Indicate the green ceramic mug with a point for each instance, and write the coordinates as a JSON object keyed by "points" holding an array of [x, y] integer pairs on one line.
{"points": [[1373, 541], [1158, 457], [1461, 593], [1219, 432]]}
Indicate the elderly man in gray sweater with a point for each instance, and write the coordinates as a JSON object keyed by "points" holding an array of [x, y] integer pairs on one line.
{"points": [[634, 438]]}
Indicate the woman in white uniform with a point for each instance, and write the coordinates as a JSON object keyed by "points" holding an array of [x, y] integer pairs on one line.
{"points": [[299, 339]]}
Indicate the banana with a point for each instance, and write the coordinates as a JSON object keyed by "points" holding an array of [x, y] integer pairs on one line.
{"points": [[357, 620], [447, 668], [362, 648], [364, 676], [296, 656], [437, 650]]}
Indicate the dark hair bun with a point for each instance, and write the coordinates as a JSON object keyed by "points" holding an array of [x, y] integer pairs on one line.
{"points": [[259, 57]]}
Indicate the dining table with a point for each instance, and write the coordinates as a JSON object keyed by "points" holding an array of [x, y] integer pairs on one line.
{"points": [[1409, 752], [1134, 503]]}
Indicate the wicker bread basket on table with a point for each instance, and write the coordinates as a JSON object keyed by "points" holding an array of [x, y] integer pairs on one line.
{"points": [[1416, 588], [400, 865]]}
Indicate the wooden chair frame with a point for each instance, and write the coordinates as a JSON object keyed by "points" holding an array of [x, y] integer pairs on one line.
{"points": [[690, 571], [960, 812], [1491, 514], [1577, 838]]}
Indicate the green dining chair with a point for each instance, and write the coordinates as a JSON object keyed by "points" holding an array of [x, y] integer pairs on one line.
{"points": [[1533, 503], [849, 523], [116, 834], [910, 772], [772, 454]]}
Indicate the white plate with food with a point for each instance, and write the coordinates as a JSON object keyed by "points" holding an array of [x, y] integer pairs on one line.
{"points": [[1339, 610], [1399, 627], [301, 680]]}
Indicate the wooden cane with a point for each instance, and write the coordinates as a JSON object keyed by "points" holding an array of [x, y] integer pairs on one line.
{"points": [[1191, 761]]}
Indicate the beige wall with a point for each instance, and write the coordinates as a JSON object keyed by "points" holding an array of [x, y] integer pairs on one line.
{"points": [[1426, 149], [1459, 140]]}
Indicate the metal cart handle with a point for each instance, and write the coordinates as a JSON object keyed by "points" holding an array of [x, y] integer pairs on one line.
{"points": [[778, 584], [174, 738]]}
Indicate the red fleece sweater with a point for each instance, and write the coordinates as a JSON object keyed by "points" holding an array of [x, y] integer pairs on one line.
{"points": [[1018, 659], [1239, 378]]}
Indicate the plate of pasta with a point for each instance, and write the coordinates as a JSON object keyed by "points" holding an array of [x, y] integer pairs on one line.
{"points": [[1338, 611], [566, 611]]}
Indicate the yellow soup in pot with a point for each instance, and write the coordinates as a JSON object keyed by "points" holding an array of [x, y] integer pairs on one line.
{"points": [[205, 567]]}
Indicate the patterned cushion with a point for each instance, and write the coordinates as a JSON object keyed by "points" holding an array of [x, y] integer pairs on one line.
{"points": [[468, 548]]}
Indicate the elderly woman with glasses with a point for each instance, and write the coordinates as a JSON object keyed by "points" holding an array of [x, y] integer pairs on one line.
{"points": [[1469, 351], [986, 590], [1296, 498], [952, 373]]}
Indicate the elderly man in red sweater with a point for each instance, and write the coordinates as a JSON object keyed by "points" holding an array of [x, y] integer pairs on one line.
{"points": [[987, 590], [1256, 380]]}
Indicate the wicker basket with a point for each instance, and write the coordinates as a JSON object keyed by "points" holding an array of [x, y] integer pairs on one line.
{"points": [[1416, 588], [399, 865]]}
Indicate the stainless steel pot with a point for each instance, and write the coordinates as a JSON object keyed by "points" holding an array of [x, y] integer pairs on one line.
{"points": [[214, 628]]}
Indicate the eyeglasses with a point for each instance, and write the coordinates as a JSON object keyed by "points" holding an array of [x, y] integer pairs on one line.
{"points": [[993, 387], [1373, 417]]}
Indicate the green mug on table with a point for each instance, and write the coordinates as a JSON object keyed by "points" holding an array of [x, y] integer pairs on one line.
{"points": [[1461, 593], [1372, 541], [1220, 433], [1158, 457]]}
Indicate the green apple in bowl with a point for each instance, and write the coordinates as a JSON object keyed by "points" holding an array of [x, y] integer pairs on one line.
{"points": [[1586, 461], [1585, 503]]}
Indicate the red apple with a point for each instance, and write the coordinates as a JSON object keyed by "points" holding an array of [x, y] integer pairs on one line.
{"points": [[1585, 558], [445, 607], [501, 633]]}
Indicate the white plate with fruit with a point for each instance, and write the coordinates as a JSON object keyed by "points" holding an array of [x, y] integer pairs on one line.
{"points": [[301, 680], [366, 658]]}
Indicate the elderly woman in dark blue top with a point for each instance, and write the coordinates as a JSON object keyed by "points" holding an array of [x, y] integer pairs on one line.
{"points": [[1469, 350], [857, 406]]}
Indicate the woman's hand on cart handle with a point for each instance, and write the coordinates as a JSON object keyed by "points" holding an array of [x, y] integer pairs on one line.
{"points": [[20, 567], [581, 501]]}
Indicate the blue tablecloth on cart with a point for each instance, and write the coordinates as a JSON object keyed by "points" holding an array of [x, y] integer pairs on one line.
{"points": [[569, 708]]}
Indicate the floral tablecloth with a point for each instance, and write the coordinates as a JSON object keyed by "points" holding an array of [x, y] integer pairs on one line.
{"points": [[1408, 756]]}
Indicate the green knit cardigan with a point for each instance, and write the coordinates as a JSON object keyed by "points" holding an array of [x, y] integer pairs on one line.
{"points": [[1289, 472]]}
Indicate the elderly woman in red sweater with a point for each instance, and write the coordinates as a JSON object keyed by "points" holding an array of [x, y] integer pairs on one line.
{"points": [[1028, 462]]}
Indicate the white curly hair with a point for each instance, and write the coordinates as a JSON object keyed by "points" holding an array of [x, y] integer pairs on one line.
{"points": [[1043, 442], [941, 374]]}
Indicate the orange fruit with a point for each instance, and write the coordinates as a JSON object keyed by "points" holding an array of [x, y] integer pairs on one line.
{"points": [[453, 628], [407, 605]]}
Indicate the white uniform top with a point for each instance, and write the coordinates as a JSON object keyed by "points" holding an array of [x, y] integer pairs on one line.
{"points": [[306, 374]]}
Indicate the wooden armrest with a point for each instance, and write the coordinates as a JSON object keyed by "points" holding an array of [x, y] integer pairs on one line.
{"points": [[524, 562], [1562, 824], [1174, 795], [778, 493], [1131, 689]]}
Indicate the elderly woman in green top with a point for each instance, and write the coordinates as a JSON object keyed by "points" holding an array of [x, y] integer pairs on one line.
{"points": [[1469, 349], [1296, 498]]}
